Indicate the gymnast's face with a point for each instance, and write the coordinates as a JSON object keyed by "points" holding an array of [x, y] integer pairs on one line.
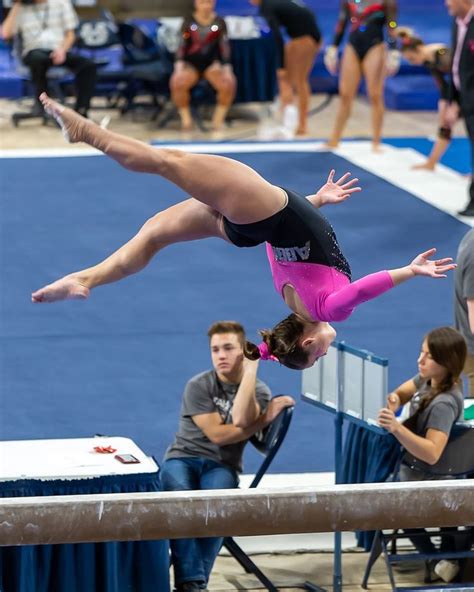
{"points": [[204, 6], [227, 355], [428, 368], [316, 341]]}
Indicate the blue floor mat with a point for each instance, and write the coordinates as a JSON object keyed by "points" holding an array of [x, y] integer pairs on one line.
{"points": [[117, 363]]}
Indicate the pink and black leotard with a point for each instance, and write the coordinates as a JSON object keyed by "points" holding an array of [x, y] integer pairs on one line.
{"points": [[303, 251]]}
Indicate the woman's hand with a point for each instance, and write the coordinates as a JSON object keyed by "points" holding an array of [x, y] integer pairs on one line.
{"points": [[388, 421], [393, 402], [392, 62], [331, 59], [422, 265], [450, 115], [333, 192]]}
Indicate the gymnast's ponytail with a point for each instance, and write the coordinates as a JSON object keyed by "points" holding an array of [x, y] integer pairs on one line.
{"points": [[281, 344]]}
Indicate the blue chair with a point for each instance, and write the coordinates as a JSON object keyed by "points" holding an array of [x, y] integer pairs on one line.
{"points": [[149, 68], [268, 445], [456, 462]]}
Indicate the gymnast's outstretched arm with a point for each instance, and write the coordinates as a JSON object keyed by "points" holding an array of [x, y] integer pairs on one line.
{"points": [[339, 305]]}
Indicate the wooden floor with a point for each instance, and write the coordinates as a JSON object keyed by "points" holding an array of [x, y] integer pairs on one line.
{"points": [[289, 572]]}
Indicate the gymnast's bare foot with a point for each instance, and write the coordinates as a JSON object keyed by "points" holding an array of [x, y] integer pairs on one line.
{"points": [[72, 124], [329, 145], [67, 288]]}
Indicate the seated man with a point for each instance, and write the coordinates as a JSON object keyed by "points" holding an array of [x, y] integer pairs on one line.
{"points": [[221, 409], [204, 52], [47, 31]]}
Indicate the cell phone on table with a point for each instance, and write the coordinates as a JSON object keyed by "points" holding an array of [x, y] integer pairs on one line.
{"points": [[127, 459]]}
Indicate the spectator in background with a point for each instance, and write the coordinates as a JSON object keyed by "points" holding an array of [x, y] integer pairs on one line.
{"points": [[436, 403], [364, 55], [462, 79], [295, 59], [222, 408], [464, 301], [47, 36], [437, 58], [204, 52]]}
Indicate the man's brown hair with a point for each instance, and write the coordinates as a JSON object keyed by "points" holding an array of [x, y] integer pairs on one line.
{"points": [[227, 327]]}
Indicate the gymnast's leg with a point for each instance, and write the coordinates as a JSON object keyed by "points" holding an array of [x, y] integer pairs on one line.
{"points": [[230, 187], [186, 221]]}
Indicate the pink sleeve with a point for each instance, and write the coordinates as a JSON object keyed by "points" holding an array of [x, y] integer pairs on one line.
{"points": [[339, 305]]}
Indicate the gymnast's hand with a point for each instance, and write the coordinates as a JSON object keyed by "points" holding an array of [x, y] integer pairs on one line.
{"points": [[333, 192], [67, 288], [422, 265]]}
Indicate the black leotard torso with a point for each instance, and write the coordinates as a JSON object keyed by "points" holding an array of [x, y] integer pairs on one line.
{"points": [[296, 18]]}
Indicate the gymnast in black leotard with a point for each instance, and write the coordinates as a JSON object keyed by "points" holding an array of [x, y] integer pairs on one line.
{"points": [[436, 58], [295, 59], [364, 55], [204, 52]]}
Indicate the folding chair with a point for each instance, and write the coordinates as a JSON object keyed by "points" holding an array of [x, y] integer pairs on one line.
{"points": [[149, 67], [457, 461], [268, 445]]}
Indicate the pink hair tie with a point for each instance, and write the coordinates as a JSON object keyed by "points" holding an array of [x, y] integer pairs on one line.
{"points": [[265, 352]]}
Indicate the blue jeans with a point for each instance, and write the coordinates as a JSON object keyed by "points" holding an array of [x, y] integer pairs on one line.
{"points": [[193, 558]]}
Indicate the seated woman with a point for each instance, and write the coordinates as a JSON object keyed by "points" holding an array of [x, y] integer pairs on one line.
{"points": [[437, 58], [436, 403], [204, 52]]}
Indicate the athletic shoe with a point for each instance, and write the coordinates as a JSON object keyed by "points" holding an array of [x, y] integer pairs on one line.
{"points": [[447, 570]]}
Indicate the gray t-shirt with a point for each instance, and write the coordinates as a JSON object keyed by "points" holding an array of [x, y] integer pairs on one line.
{"points": [[464, 288], [205, 393], [441, 414]]}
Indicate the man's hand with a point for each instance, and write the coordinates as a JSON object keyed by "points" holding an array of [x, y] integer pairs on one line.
{"points": [[422, 265], [58, 56], [275, 406], [333, 192], [249, 365], [388, 420]]}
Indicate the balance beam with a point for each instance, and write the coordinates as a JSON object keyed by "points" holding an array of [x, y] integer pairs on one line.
{"points": [[149, 516]]}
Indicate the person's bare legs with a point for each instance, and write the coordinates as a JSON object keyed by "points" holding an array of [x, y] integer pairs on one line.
{"points": [[373, 68], [181, 83], [186, 221], [224, 83], [300, 54], [228, 186], [349, 80]]}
